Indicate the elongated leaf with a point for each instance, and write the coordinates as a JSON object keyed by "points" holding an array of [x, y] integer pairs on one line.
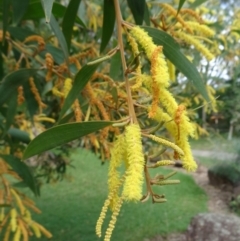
{"points": [[146, 15], [59, 34], [116, 67], [69, 20], [19, 135], [47, 7], [23, 171], [171, 50], [35, 11], [11, 111], [5, 15], [66, 118], [62, 134], [181, 2], [19, 8], [12, 81], [81, 79], [20, 33], [108, 23], [137, 8]]}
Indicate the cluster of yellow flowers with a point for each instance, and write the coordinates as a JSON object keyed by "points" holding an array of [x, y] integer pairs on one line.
{"points": [[17, 219], [128, 149]]}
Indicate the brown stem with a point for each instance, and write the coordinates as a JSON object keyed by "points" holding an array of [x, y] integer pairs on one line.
{"points": [[131, 110]]}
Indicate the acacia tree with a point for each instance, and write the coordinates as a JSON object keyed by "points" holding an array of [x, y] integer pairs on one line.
{"points": [[105, 83]]}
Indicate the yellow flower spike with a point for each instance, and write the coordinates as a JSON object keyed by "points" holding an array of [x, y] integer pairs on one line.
{"points": [[77, 111], [57, 93], [175, 14], [13, 221], [20, 97], [192, 13], [111, 225], [117, 155], [44, 118], [171, 71], [67, 87], [165, 97], [196, 43], [162, 163], [23, 230], [132, 189], [18, 200], [167, 182], [156, 67], [17, 234], [144, 39], [201, 29], [44, 230], [102, 217], [36, 94], [35, 229], [155, 101], [188, 162], [166, 143]]}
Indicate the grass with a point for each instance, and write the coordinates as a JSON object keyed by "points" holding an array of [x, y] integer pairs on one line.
{"points": [[206, 161], [216, 142], [70, 210]]}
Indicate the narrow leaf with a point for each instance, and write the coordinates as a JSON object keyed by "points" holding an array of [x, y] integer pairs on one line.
{"points": [[19, 135], [69, 20], [137, 8], [19, 8], [23, 171], [12, 81], [146, 15], [66, 118], [35, 11], [11, 111], [47, 7], [79, 83], [5, 16], [115, 66], [59, 34], [61, 134], [181, 2], [108, 23], [171, 50]]}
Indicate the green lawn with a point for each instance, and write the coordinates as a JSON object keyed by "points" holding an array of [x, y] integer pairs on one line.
{"points": [[216, 142], [70, 209]]}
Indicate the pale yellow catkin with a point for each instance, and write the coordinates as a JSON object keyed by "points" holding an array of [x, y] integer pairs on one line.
{"points": [[113, 220], [102, 217], [167, 143], [196, 43], [132, 189]]}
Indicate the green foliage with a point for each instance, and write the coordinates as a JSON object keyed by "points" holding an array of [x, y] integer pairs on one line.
{"points": [[23, 171], [108, 23], [137, 8], [235, 205], [61, 134], [69, 20], [229, 170]]}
